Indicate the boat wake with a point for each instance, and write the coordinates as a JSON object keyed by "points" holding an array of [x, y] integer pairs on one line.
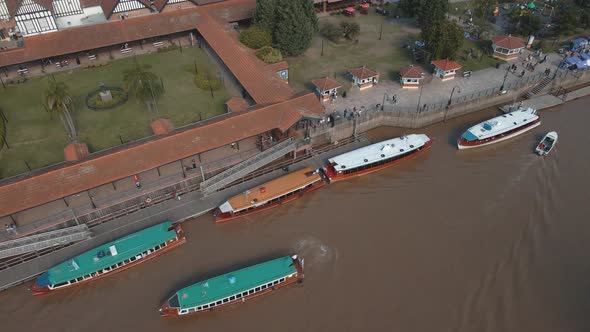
{"points": [[316, 253]]}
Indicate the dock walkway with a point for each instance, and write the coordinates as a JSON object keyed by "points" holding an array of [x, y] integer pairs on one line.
{"points": [[538, 103]]}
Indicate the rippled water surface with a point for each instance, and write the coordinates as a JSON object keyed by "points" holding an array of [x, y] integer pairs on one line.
{"points": [[492, 239]]}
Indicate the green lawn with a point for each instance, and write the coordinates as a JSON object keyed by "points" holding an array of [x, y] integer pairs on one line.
{"points": [[38, 140], [385, 55], [478, 62]]}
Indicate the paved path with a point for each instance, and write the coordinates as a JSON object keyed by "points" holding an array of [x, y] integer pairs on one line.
{"points": [[437, 91]]}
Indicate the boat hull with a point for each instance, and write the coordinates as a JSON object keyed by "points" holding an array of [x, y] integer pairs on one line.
{"points": [[36, 290], [167, 311], [334, 177], [224, 217], [463, 144]]}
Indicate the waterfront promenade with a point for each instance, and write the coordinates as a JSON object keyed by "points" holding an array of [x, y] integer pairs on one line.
{"points": [[189, 205], [437, 92]]}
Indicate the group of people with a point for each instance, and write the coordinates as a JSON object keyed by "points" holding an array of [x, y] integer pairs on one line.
{"points": [[11, 229]]}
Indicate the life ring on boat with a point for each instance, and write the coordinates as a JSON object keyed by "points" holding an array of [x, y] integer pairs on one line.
{"points": [[148, 200]]}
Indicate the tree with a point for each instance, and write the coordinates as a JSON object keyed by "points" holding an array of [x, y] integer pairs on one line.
{"points": [[582, 3], [524, 23], [443, 39], [294, 28], [483, 7], [269, 55], [409, 7], [350, 30], [2, 130], [264, 14], [256, 37], [57, 100], [145, 85], [568, 21], [331, 31], [431, 11]]}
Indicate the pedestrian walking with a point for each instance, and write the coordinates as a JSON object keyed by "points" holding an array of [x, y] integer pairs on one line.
{"points": [[522, 73], [345, 111], [194, 163]]}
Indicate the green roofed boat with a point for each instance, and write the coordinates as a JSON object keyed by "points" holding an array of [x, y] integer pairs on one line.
{"points": [[111, 257], [234, 287]]}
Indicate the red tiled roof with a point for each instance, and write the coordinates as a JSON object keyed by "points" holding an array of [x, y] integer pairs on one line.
{"points": [[12, 6], [509, 42], [162, 126], [446, 64], [90, 3], [281, 65], [76, 151], [261, 82], [45, 186], [326, 83], [90, 37], [237, 104], [363, 72], [411, 72]]}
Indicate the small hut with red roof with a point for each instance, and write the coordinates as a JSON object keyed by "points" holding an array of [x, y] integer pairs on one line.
{"points": [[507, 47], [364, 77], [445, 69], [410, 77], [326, 88]]}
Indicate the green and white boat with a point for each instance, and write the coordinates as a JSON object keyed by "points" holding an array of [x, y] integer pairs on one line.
{"points": [[111, 257], [234, 287]]}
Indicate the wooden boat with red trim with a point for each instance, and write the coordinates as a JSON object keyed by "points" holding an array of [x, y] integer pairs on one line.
{"points": [[500, 128], [111, 257], [271, 194], [234, 287], [376, 156]]}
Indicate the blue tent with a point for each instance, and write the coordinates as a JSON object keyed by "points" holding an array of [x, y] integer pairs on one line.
{"points": [[585, 56], [579, 42]]}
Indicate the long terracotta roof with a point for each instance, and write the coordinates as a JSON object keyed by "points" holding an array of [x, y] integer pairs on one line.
{"points": [[446, 64], [90, 37], [261, 82], [19, 194], [509, 42]]}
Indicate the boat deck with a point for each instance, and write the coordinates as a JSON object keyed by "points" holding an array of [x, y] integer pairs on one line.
{"points": [[272, 189]]}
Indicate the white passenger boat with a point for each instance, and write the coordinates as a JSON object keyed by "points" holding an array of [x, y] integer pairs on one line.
{"points": [[546, 144], [375, 156], [500, 128]]}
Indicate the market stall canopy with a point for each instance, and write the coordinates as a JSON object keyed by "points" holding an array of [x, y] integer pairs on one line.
{"points": [[531, 5], [350, 10]]}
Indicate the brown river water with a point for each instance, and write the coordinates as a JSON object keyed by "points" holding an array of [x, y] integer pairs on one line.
{"points": [[491, 239]]}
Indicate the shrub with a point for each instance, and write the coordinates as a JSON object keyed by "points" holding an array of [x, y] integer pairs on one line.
{"points": [[256, 37], [269, 54], [331, 31], [206, 81], [351, 30], [94, 102]]}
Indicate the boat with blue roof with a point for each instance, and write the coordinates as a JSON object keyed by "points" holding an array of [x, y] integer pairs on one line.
{"points": [[500, 128], [234, 287], [376, 156], [111, 257]]}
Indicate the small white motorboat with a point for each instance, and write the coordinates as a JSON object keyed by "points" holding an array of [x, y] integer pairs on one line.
{"points": [[546, 144]]}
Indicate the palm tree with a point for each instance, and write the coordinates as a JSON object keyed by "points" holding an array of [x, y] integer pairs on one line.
{"points": [[58, 100], [145, 85]]}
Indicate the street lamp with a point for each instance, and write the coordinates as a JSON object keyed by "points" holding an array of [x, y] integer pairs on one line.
{"points": [[505, 76], [450, 101]]}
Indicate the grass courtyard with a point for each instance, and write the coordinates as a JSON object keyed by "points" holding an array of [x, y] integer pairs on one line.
{"points": [[385, 55], [36, 139]]}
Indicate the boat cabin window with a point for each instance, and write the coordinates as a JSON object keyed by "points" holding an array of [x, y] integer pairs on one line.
{"points": [[72, 281], [157, 247], [218, 303], [258, 289], [79, 279], [231, 298], [251, 291], [245, 294], [87, 276], [60, 284], [225, 300], [199, 308], [183, 311], [205, 306], [113, 267], [282, 280], [263, 287], [238, 296]]}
